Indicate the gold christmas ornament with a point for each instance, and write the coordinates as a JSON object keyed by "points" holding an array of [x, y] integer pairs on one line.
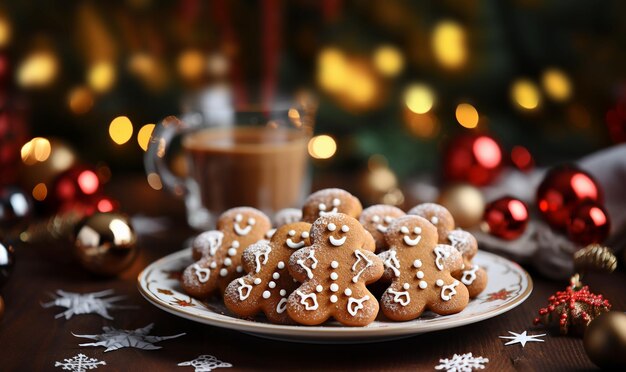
{"points": [[465, 202], [595, 257], [105, 243], [605, 340]]}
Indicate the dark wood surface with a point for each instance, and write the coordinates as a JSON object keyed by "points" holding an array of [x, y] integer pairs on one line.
{"points": [[32, 340]]}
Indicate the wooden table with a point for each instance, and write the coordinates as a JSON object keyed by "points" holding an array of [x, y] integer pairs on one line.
{"points": [[32, 340]]}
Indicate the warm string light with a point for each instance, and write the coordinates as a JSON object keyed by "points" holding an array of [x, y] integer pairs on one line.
{"points": [[191, 64], [322, 147], [5, 30], [36, 150], [101, 76], [40, 191], [143, 136], [80, 100], [525, 94], [424, 126], [121, 130], [419, 98], [467, 115], [37, 70], [556, 84], [449, 44], [388, 60], [155, 181]]}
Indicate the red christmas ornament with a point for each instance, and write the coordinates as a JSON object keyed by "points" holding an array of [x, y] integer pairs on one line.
{"points": [[589, 223], [89, 205], [476, 159], [506, 217], [79, 184], [616, 121], [574, 307], [562, 189]]}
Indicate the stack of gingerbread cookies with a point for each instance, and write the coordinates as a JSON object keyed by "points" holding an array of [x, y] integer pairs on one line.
{"points": [[316, 263]]}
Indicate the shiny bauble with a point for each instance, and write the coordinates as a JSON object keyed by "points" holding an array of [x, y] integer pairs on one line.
{"points": [[465, 203], [16, 208], [605, 340], [476, 159], [105, 243], [589, 223], [7, 261], [89, 205], [506, 218], [77, 184], [562, 189], [13, 133]]}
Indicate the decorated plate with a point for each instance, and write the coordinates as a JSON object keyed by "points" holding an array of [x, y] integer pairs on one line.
{"points": [[509, 285]]}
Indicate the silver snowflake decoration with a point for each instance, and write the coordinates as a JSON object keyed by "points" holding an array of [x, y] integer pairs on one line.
{"points": [[205, 363], [114, 339], [462, 363], [88, 303], [79, 363], [522, 338]]}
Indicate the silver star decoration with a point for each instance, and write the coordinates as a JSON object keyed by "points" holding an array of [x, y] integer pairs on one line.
{"points": [[88, 303], [205, 363], [79, 363], [522, 338], [114, 339]]}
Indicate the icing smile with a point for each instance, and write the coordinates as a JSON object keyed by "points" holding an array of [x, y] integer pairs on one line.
{"points": [[322, 207], [337, 242], [407, 239], [246, 230], [381, 228], [293, 245]]}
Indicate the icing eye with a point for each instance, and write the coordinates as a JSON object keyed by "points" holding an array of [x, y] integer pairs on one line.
{"points": [[434, 220], [388, 219], [336, 202], [305, 234], [292, 232], [404, 230], [251, 221], [375, 219], [322, 206], [417, 230], [238, 218], [235, 244], [345, 228], [331, 227]]}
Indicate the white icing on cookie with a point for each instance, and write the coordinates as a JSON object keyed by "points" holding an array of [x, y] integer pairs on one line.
{"points": [[228, 262], [450, 289], [354, 305], [209, 241], [293, 245], [423, 284], [337, 242], [392, 263], [403, 298], [281, 265], [258, 281], [202, 273], [223, 272], [266, 294], [311, 256], [261, 251], [282, 305], [469, 275], [360, 256], [303, 300], [243, 231], [333, 299], [334, 287], [243, 286], [441, 255]]}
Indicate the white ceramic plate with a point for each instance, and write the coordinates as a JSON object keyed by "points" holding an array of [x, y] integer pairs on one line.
{"points": [[509, 285]]}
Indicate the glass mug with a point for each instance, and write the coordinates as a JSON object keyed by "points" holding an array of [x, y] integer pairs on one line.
{"points": [[254, 158]]}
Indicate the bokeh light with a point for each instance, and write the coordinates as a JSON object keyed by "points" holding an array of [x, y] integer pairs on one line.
{"points": [[487, 152], [388, 60], [80, 100], [331, 69], [121, 130], [422, 125], [191, 64], [382, 179], [322, 146], [449, 44], [143, 136], [40, 191], [37, 70], [525, 94], [467, 115], [88, 182], [155, 181], [556, 84], [521, 158], [36, 150], [419, 98], [5, 30], [101, 76]]}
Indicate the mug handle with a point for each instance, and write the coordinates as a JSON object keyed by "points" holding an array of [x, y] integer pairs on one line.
{"points": [[154, 158]]}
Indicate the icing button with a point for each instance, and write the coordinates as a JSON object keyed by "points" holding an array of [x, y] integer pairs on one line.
{"points": [[257, 281], [319, 288], [423, 284], [420, 274], [276, 276], [334, 287], [439, 282], [266, 294], [348, 292], [334, 264], [334, 276], [333, 299], [223, 272], [271, 284]]}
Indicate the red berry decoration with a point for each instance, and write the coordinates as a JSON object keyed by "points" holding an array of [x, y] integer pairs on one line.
{"points": [[589, 223], [562, 189], [476, 159], [573, 308], [506, 217]]}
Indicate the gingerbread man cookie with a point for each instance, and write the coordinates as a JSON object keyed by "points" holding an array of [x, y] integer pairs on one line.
{"points": [[287, 215], [438, 215], [327, 201], [473, 276], [268, 283], [420, 271], [334, 271], [376, 218], [221, 263]]}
